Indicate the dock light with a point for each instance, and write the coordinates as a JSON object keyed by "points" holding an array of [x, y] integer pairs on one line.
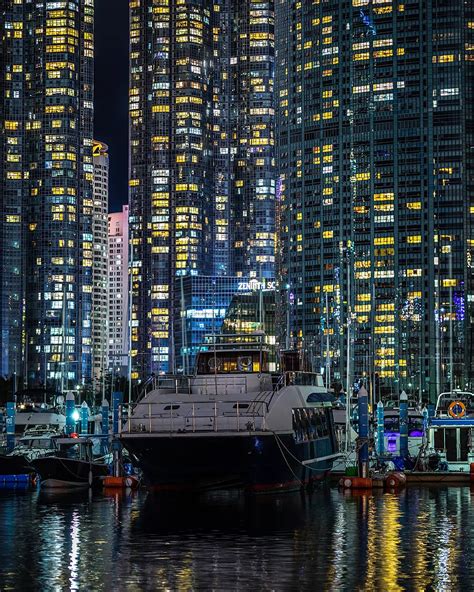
{"points": [[75, 415]]}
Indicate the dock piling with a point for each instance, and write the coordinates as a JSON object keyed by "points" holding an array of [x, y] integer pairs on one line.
{"points": [[84, 418], [11, 412], [105, 426], [380, 429], [70, 414], [363, 445], [403, 424]]}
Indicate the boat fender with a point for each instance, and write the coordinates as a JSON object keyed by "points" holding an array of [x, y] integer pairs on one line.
{"points": [[128, 482], [395, 480], [356, 483]]}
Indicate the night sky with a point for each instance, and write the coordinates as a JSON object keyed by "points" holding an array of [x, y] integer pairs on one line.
{"points": [[111, 92]]}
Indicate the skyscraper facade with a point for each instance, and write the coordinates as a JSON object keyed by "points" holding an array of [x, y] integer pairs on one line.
{"points": [[118, 304], [375, 128], [100, 304], [201, 140], [46, 94], [252, 220]]}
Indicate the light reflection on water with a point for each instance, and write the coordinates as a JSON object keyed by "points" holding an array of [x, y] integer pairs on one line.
{"points": [[419, 539]]}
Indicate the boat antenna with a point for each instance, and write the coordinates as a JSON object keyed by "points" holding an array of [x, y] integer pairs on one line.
{"points": [[214, 338], [63, 365], [328, 355], [183, 331], [130, 308]]}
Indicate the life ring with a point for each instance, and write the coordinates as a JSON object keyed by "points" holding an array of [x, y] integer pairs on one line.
{"points": [[457, 409]]}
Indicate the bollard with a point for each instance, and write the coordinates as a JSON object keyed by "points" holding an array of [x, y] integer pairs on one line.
{"points": [[70, 414], [84, 418], [431, 412], [403, 424], [116, 402], [11, 412], [105, 426], [425, 425], [380, 429], [363, 411]]}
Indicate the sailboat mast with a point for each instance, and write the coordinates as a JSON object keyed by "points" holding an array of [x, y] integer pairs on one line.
{"points": [[183, 330], [130, 293], [63, 365], [328, 356], [451, 373], [348, 352]]}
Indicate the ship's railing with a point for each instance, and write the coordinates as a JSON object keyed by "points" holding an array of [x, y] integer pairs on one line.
{"points": [[203, 384], [298, 378], [198, 416], [207, 384], [175, 384]]}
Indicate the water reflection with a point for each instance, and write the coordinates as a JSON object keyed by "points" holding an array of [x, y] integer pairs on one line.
{"points": [[418, 539]]}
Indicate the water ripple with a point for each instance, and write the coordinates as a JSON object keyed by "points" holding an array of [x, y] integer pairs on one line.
{"points": [[419, 539]]}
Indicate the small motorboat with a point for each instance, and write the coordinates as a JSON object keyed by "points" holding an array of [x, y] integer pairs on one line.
{"points": [[71, 466]]}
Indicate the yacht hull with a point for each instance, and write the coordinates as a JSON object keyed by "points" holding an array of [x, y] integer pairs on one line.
{"points": [[258, 462]]}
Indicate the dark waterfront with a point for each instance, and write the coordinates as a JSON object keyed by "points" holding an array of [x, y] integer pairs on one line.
{"points": [[420, 539]]}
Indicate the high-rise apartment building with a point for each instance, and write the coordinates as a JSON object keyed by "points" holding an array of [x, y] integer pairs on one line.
{"points": [[202, 186], [46, 94], [375, 133], [252, 221], [100, 305], [118, 280]]}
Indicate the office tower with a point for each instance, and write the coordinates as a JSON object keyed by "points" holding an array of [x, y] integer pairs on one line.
{"points": [[100, 305], [201, 139], [375, 128], [118, 279], [46, 91]]}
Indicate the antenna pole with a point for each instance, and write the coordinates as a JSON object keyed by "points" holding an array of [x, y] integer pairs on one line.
{"points": [[130, 308]]}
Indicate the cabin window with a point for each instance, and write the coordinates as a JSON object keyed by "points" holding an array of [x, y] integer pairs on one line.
{"points": [[226, 362], [309, 424], [171, 407]]}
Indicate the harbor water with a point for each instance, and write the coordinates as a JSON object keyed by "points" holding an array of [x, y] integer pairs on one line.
{"points": [[418, 539]]}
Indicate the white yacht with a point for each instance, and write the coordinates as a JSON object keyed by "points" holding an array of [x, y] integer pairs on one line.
{"points": [[233, 423]]}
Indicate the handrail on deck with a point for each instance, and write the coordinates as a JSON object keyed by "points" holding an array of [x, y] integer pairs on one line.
{"points": [[258, 409]]}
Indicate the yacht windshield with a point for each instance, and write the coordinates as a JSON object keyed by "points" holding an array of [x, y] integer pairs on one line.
{"points": [[223, 362]]}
